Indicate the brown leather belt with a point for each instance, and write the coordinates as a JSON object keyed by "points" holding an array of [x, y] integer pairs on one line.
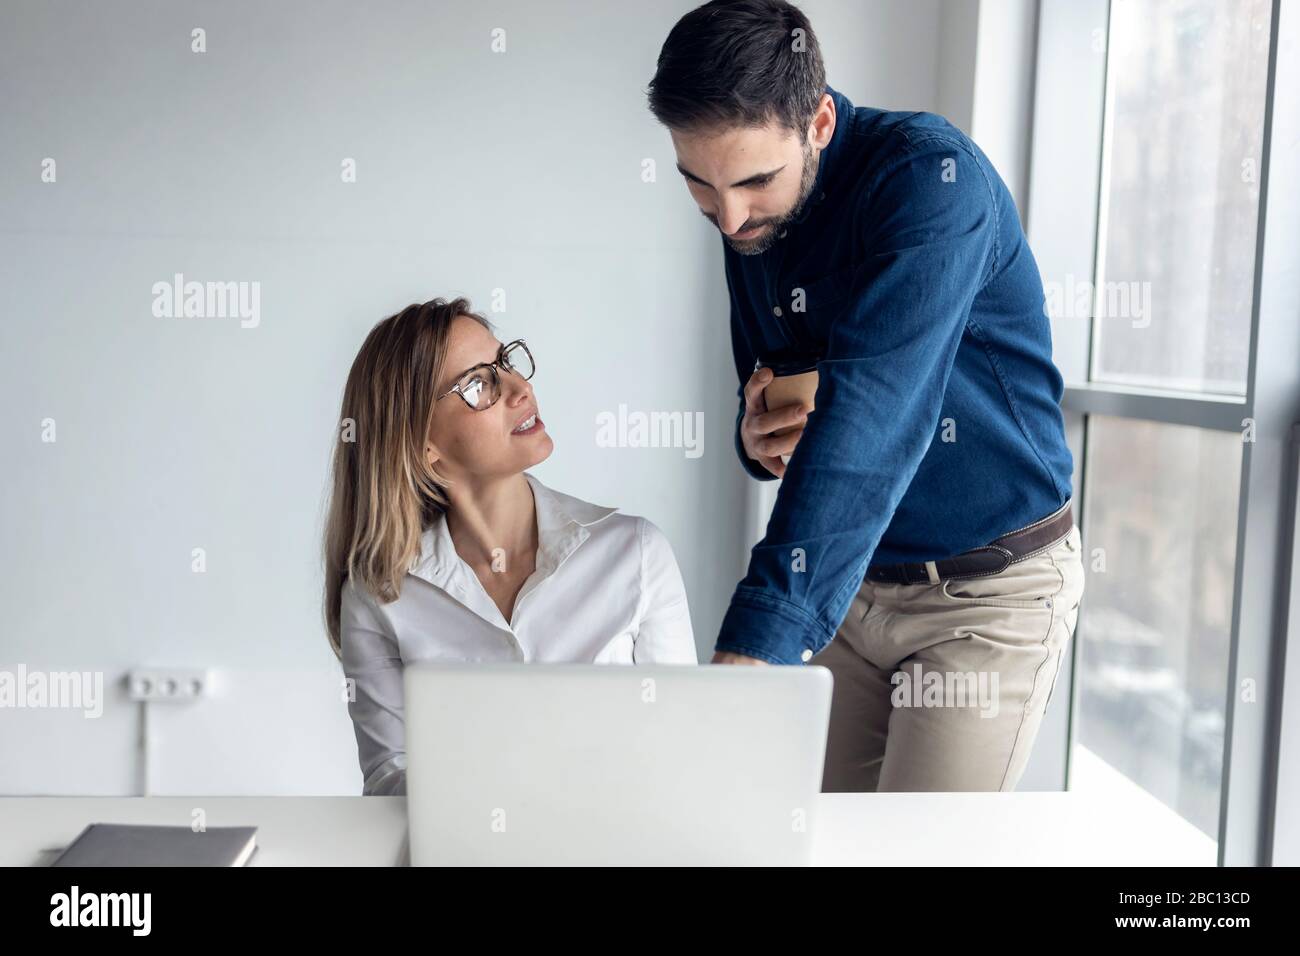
{"points": [[983, 561]]}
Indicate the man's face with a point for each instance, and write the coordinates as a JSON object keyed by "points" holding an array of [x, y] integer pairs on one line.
{"points": [[750, 182]]}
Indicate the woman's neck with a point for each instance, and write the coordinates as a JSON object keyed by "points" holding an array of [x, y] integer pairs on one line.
{"points": [[493, 522]]}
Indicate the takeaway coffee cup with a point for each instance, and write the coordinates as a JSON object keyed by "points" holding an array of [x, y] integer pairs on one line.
{"points": [[794, 383]]}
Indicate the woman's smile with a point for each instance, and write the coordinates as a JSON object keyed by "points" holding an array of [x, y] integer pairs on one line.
{"points": [[529, 425]]}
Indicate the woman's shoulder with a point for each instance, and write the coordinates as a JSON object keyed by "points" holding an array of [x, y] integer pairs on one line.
{"points": [[631, 529], [603, 521], [635, 534]]}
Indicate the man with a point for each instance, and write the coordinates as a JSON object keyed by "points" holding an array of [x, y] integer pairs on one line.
{"points": [[922, 545]]}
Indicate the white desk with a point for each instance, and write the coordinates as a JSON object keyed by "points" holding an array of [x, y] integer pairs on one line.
{"points": [[891, 829]]}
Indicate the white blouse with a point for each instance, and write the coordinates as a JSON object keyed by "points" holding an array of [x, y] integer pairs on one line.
{"points": [[606, 590]]}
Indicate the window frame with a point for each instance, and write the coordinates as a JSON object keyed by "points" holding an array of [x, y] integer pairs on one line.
{"points": [[1066, 216]]}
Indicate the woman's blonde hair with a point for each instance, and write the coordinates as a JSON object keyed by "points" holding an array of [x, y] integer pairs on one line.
{"points": [[384, 493]]}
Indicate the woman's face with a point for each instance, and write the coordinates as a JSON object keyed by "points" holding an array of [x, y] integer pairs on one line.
{"points": [[491, 442]]}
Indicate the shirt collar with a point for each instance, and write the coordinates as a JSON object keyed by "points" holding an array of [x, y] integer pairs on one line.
{"points": [[822, 182], [562, 525]]}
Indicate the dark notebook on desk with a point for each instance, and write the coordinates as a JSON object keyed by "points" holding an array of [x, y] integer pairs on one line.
{"points": [[121, 844]]}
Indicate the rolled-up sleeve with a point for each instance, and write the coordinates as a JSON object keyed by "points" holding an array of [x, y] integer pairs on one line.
{"points": [[665, 635], [929, 227], [372, 663]]}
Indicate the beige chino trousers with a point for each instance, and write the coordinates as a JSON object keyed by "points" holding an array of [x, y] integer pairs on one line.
{"points": [[943, 686]]}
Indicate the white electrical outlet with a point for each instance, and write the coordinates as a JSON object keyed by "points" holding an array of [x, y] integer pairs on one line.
{"points": [[167, 684]]}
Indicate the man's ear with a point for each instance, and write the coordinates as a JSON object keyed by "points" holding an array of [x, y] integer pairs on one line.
{"points": [[822, 127]]}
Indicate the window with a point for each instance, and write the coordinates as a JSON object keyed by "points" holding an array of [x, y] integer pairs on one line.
{"points": [[1160, 533], [1181, 194], [1168, 258]]}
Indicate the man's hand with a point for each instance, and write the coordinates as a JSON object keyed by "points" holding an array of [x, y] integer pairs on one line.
{"points": [[726, 657], [758, 423]]}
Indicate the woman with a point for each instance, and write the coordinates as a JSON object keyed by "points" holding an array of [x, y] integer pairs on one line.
{"points": [[439, 546]]}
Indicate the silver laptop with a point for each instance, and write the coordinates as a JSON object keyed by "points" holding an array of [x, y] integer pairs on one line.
{"points": [[549, 764]]}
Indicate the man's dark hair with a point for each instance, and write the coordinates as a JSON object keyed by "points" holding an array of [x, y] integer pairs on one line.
{"points": [[739, 63]]}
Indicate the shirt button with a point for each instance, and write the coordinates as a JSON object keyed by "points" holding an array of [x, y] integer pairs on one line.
{"points": [[776, 310], [781, 234], [806, 655]]}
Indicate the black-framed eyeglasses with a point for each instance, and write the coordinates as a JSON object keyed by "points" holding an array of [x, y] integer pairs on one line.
{"points": [[480, 386]]}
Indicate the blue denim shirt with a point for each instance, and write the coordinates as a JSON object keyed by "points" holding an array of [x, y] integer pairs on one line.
{"points": [[938, 425]]}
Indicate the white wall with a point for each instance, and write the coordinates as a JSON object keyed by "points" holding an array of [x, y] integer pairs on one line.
{"points": [[986, 81], [1003, 108], [958, 41], [476, 171]]}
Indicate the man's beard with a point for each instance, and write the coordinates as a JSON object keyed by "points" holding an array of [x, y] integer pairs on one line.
{"points": [[776, 225]]}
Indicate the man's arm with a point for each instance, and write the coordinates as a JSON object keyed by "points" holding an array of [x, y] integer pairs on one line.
{"points": [[754, 469], [758, 448], [930, 245], [745, 359]]}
